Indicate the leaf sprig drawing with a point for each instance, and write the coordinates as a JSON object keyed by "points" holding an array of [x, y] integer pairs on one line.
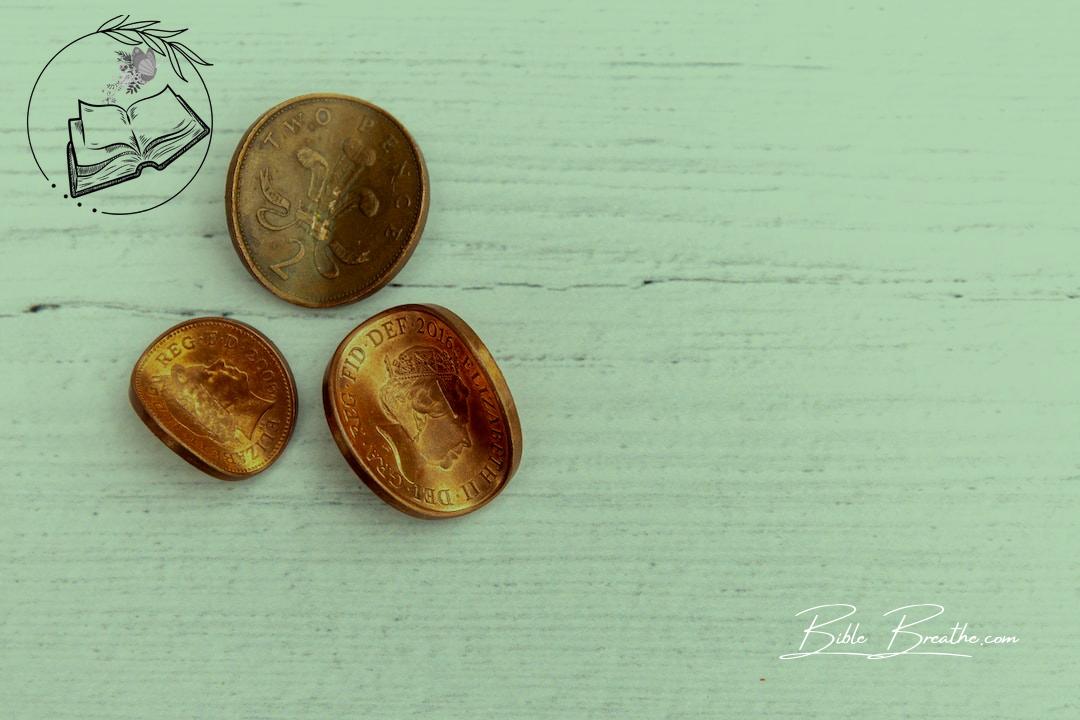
{"points": [[138, 32]]}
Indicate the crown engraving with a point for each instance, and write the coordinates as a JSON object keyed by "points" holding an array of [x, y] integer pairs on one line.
{"points": [[421, 363]]}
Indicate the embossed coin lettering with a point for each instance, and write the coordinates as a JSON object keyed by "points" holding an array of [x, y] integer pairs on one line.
{"points": [[218, 393], [326, 199], [421, 412]]}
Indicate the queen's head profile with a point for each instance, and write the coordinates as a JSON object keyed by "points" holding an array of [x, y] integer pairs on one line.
{"points": [[214, 401], [426, 406]]}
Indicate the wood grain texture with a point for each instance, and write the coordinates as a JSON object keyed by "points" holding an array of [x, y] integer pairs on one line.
{"points": [[787, 299]]}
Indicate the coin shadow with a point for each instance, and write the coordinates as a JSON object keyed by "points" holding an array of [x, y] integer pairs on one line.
{"points": [[153, 456], [355, 492]]}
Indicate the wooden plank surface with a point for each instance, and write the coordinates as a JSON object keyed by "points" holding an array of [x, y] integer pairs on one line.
{"points": [[787, 298]]}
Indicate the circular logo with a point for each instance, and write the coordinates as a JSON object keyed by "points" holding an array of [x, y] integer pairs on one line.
{"points": [[119, 120]]}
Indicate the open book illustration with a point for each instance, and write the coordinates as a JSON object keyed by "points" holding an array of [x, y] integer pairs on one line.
{"points": [[110, 145]]}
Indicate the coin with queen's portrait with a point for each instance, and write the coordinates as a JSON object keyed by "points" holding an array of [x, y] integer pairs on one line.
{"points": [[422, 413]]}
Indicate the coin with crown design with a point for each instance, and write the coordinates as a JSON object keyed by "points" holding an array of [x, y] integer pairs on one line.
{"points": [[422, 413], [326, 198], [219, 394]]}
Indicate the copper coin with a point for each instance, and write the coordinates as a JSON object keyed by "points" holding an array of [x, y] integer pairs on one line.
{"points": [[421, 412], [219, 394], [326, 199]]}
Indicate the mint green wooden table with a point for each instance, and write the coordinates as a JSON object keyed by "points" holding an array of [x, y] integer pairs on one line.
{"points": [[787, 294]]}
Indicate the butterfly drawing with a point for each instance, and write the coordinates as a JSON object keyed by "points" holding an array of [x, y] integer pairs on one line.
{"points": [[136, 69]]}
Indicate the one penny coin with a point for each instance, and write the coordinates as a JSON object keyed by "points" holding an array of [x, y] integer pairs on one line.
{"points": [[422, 413], [219, 394], [326, 199]]}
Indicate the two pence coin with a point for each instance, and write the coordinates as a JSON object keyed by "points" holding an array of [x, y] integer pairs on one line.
{"points": [[326, 199]]}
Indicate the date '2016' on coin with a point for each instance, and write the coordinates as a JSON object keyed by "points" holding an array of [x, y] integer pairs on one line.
{"points": [[326, 199]]}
